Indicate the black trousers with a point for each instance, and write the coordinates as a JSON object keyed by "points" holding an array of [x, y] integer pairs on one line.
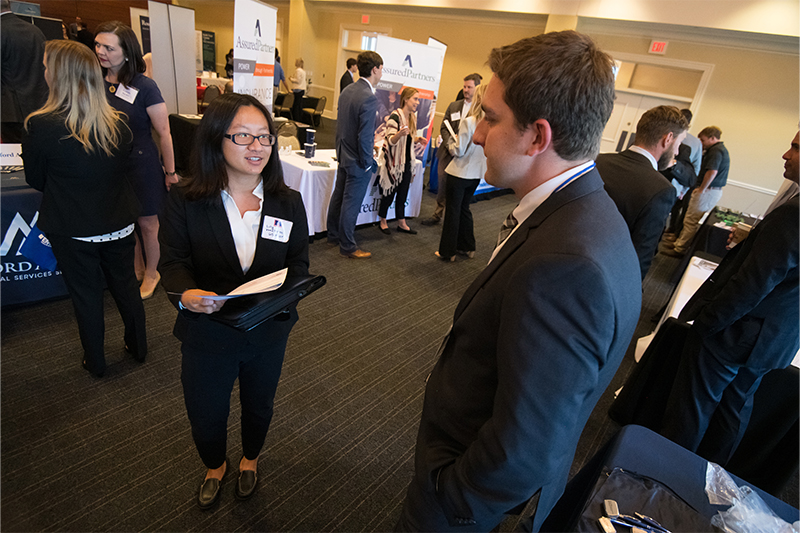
{"points": [[401, 193], [711, 402], [208, 379], [457, 229], [297, 106], [83, 265]]}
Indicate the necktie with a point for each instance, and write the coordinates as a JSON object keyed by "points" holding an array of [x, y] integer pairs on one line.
{"points": [[508, 226]]}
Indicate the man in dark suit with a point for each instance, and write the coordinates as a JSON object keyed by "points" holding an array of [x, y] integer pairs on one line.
{"points": [[349, 75], [355, 138], [539, 334], [745, 324], [454, 113], [22, 86], [632, 178]]}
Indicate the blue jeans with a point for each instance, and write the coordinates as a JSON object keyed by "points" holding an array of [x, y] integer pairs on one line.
{"points": [[348, 195]]}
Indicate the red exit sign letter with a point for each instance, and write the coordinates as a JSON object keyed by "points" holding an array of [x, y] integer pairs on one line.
{"points": [[364, 19], [658, 47]]}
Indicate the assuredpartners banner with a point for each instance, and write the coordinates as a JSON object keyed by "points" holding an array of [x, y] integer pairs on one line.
{"points": [[409, 64], [254, 26], [405, 64]]}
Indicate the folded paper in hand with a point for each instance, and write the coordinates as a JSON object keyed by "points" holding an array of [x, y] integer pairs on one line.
{"points": [[267, 283]]}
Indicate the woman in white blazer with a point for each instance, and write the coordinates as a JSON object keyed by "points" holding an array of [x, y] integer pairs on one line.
{"points": [[467, 168]]}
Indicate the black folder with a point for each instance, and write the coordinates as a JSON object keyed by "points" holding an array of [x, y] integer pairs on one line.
{"points": [[247, 312]]}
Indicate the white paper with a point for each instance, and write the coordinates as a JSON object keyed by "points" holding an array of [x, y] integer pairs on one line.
{"points": [[267, 283], [450, 128]]}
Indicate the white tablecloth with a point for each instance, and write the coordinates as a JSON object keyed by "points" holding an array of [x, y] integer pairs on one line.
{"points": [[219, 82], [315, 184]]}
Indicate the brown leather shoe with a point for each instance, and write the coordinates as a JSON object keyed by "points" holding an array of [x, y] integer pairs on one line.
{"points": [[358, 254]]}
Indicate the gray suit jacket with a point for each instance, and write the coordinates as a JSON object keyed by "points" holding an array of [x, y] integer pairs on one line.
{"points": [[443, 153], [535, 341], [355, 127]]}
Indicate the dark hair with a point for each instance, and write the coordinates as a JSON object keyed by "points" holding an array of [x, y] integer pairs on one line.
{"points": [[561, 77], [687, 115], [134, 63], [350, 62], [477, 78], [367, 61], [209, 174], [657, 122], [710, 131]]}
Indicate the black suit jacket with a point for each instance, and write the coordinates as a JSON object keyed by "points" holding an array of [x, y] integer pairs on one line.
{"points": [[535, 340], [22, 84], [347, 79], [84, 195], [443, 153], [198, 252], [748, 308], [355, 127], [643, 196]]}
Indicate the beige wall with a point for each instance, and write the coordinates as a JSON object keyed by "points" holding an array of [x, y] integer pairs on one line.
{"points": [[469, 36], [752, 97]]}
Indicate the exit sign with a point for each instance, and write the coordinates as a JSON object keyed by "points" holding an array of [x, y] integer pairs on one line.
{"points": [[364, 19], [658, 47]]}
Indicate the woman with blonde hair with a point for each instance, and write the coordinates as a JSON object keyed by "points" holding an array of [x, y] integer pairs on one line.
{"points": [[76, 152], [467, 168], [398, 159]]}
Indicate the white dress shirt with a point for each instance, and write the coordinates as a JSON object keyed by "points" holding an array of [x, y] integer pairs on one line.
{"points": [[244, 228]]}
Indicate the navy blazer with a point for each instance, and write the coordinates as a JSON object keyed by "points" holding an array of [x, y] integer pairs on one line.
{"points": [[198, 252], [355, 127], [643, 196], [535, 341], [749, 307]]}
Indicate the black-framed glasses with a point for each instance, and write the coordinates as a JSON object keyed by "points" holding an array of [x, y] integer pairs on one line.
{"points": [[245, 139]]}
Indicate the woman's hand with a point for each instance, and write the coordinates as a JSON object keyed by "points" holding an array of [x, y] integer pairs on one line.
{"points": [[194, 301], [400, 134], [171, 180], [421, 141]]}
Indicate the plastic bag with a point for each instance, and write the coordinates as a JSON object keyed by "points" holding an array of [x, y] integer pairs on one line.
{"points": [[747, 513]]}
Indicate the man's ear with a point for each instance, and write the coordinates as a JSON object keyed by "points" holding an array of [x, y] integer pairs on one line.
{"points": [[666, 140], [540, 137]]}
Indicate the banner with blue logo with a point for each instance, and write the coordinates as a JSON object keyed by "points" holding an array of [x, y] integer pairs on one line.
{"points": [[254, 26]]}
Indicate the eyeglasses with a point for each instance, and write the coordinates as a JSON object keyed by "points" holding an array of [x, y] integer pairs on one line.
{"points": [[245, 139]]}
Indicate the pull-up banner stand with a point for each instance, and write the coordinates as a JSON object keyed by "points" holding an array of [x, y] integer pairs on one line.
{"points": [[254, 26]]}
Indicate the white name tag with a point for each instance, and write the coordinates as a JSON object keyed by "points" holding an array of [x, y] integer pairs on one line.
{"points": [[455, 116], [127, 93], [276, 229]]}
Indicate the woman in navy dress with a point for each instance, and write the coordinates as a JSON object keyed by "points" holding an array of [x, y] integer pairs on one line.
{"points": [[129, 91]]}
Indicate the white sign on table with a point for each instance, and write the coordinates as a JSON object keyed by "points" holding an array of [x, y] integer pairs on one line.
{"points": [[315, 183]]}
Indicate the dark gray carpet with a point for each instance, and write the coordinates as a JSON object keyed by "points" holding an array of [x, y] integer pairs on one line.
{"points": [[116, 454]]}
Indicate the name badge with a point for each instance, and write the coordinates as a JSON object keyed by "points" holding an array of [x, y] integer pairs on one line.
{"points": [[276, 229], [455, 116], [127, 93]]}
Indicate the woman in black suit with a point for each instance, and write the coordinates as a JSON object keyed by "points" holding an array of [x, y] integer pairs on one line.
{"points": [[76, 152], [232, 221]]}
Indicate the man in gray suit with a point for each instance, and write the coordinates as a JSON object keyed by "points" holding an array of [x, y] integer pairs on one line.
{"points": [[539, 334], [355, 138], [455, 112]]}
